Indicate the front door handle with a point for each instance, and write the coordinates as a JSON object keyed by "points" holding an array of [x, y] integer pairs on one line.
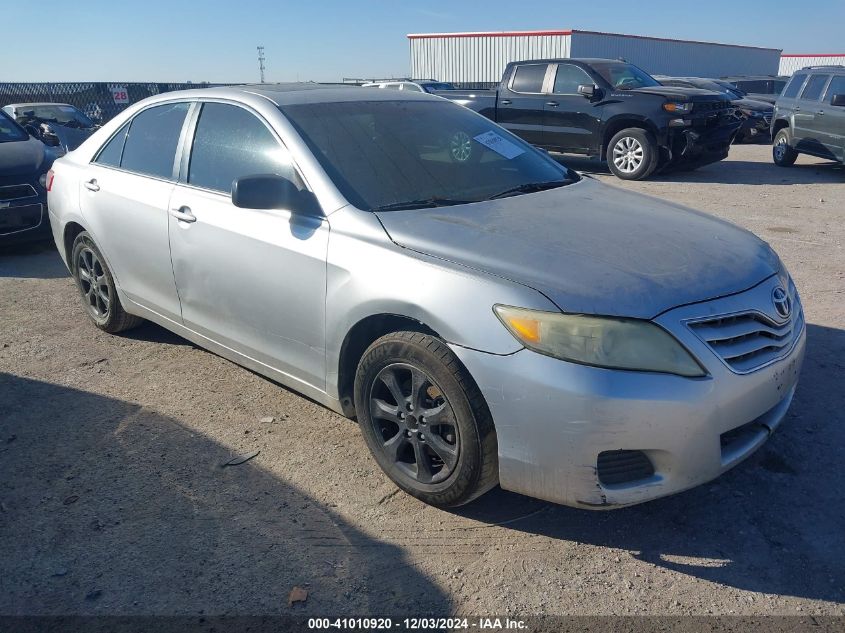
{"points": [[91, 185], [505, 101], [552, 104], [183, 214], [797, 108], [820, 112]]}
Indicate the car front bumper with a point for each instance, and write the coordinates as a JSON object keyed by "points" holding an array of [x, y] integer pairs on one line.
{"points": [[24, 220], [554, 418]]}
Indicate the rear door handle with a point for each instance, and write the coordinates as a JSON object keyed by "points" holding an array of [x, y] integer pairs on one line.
{"points": [[91, 185], [552, 104], [505, 101], [820, 112], [183, 214]]}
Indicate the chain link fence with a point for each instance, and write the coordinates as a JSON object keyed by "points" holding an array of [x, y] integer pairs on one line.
{"points": [[100, 101]]}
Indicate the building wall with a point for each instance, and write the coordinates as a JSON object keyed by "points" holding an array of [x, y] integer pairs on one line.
{"points": [[680, 58], [790, 63], [481, 57], [466, 58]]}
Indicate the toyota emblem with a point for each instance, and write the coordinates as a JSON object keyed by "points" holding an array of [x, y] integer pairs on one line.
{"points": [[781, 301]]}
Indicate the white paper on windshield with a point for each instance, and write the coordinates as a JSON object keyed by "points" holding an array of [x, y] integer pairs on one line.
{"points": [[499, 144]]}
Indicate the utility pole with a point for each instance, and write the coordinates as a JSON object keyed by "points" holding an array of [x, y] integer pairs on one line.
{"points": [[261, 62]]}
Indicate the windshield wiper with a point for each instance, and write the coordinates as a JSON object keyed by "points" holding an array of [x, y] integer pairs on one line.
{"points": [[531, 187], [427, 203]]}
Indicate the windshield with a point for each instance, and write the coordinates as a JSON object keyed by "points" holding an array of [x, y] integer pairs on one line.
{"points": [[412, 154], [62, 114], [624, 76], [729, 89], [9, 130]]}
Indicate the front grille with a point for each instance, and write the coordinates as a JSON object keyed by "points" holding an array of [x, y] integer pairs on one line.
{"points": [[749, 340], [767, 118], [17, 192], [711, 106], [622, 467]]}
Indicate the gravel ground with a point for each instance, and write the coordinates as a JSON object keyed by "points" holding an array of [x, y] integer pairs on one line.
{"points": [[113, 498]]}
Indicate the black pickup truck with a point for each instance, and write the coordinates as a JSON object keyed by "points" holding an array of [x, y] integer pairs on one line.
{"points": [[610, 109]]}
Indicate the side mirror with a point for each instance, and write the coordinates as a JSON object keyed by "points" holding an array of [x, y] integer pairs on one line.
{"points": [[837, 100], [586, 90], [270, 191]]}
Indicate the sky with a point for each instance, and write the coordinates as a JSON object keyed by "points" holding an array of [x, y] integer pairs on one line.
{"points": [[327, 40]]}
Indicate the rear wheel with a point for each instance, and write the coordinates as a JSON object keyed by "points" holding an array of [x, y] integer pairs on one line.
{"points": [[96, 287], [424, 419], [633, 154], [782, 152]]}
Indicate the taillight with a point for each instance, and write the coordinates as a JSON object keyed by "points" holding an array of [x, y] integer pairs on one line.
{"points": [[50, 175]]}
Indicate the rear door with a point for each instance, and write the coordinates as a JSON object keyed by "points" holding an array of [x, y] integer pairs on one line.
{"points": [[807, 135], [252, 280], [124, 199], [571, 121], [520, 107], [831, 119]]}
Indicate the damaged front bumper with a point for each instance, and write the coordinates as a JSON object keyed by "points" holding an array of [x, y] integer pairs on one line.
{"points": [[701, 141], [597, 438]]}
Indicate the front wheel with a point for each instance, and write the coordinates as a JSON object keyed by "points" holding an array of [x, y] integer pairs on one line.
{"points": [[782, 152], [633, 154], [424, 419]]}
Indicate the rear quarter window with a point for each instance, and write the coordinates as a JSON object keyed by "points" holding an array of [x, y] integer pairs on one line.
{"points": [[794, 86], [113, 150]]}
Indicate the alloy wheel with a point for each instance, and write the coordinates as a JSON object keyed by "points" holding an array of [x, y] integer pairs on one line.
{"points": [[415, 423], [780, 149], [628, 154], [93, 283], [460, 146]]}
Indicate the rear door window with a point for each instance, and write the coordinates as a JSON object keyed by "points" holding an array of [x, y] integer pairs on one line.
{"points": [[814, 88], [231, 142], [150, 146], [794, 85], [529, 78]]}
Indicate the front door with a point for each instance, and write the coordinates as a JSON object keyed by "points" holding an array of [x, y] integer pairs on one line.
{"points": [[831, 119], [571, 121], [252, 280], [807, 118], [124, 198]]}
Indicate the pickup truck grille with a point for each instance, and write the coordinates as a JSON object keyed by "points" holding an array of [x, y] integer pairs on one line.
{"points": [[768, 118], [750, 340], [717, 107]]}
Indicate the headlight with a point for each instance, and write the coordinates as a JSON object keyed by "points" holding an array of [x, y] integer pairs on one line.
{"points": [[600, 341], [678, 107]]}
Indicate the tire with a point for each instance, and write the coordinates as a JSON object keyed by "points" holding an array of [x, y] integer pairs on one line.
{"points": [[633, 154], [462, 463], [100, 297], [782, 153]]}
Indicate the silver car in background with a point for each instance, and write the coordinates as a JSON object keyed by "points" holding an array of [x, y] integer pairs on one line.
{"points": [[486, 314]]}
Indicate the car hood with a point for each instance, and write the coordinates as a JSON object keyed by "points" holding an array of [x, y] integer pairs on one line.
{"points": [[680, 93], [592, 248], [753, 104], [23, 157]]}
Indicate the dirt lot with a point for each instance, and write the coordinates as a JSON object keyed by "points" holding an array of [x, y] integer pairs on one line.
{"points": [[113, 499]]}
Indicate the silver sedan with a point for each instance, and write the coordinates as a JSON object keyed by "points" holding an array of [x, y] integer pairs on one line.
{"points": [[486, 314]]}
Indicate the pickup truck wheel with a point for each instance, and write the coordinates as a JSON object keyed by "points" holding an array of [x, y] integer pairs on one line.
{"points": [[96, 287], [424, 419], [632, 154], [782, 152]]}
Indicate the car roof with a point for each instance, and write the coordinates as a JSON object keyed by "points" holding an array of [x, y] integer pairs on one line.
{"points": [[37, 103], [299, 93]]}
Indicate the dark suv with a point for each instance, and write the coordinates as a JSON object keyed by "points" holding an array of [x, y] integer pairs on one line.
{"points": [[809, 116]]}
